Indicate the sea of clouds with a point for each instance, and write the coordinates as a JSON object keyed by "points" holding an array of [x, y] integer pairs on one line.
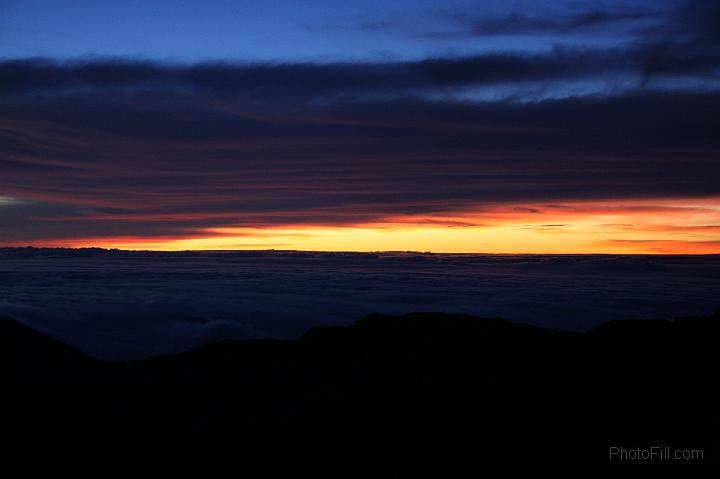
{"points": [[120, 305]]}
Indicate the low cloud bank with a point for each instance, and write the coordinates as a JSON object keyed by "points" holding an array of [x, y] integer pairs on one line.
{"points": [[134, 304]]}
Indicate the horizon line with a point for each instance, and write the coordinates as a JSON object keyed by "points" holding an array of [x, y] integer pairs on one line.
{"points": [[341, 252]]}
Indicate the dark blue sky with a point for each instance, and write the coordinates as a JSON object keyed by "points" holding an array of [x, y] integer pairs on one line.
{"points": [[326, 30]]}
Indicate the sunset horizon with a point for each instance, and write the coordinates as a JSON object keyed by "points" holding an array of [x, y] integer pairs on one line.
{"points": [[448, 237], [689, 226]]}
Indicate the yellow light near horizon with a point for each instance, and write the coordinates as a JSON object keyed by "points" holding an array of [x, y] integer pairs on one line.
{"points": [[614, 228], [501, 239], [430, 239]]}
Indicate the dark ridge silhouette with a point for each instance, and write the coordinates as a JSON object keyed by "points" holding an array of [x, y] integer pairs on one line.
{"points": [[424, 393], [37, 358]]}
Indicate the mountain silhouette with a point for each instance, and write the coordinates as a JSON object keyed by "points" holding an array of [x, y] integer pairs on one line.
{"points": [[418, 393]]}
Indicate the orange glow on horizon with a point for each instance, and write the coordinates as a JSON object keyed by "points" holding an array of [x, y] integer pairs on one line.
{"points": [[619, 227]]}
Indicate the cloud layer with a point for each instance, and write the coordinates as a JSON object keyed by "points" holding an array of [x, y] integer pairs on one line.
{"points": [[128, 148], [129, 305], [146, 147]]}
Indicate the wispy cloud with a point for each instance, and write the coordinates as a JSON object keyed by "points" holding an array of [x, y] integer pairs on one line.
{"points": [[522, 23], [110, 157], [126, 148]]}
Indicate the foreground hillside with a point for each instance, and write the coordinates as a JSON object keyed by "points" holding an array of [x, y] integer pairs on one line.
{"points": [[424, 391]]}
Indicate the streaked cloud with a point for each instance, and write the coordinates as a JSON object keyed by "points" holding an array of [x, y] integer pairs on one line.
{"points": [[128, 151], [5, 201]]}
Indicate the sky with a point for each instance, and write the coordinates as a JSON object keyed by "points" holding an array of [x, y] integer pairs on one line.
{"points": [[453, 126]]}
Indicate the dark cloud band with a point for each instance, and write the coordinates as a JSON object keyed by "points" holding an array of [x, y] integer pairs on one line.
{"points": [[177, 163], [320, 83], [119, 147]]}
